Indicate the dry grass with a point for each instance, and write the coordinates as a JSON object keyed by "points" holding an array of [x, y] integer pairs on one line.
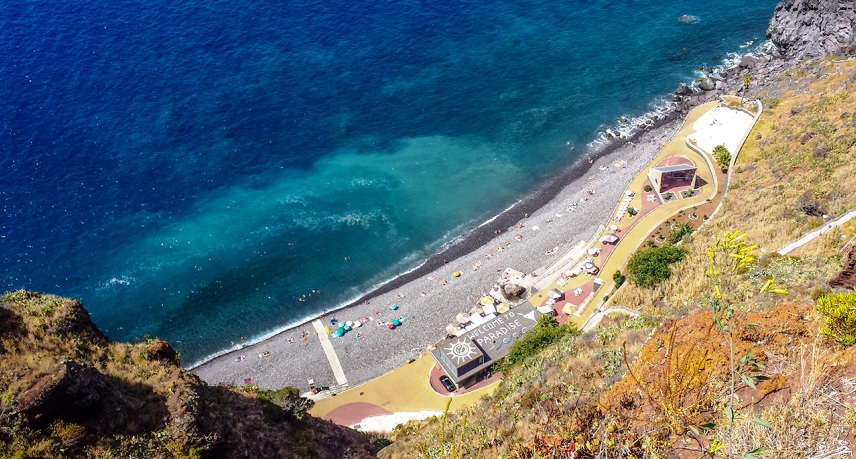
{"points": [[674, 385], [538, 405], [796, 165], [775, 177], [813, 419]]}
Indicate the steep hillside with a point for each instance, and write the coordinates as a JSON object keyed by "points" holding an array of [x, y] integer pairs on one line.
{"points": [[612, 393], [579, 396], [66, 391], [796, 166]]}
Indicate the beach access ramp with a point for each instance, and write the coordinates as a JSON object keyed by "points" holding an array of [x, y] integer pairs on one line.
{"points": [[335, 365]]}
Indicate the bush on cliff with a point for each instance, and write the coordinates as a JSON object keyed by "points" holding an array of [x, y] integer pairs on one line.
{"points": [[649, 267], [839, 317], [545, 333]]}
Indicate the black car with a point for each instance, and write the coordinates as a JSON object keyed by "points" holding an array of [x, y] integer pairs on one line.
{"points": [[447, 383]]}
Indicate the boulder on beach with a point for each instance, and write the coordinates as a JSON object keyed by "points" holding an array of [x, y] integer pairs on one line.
{"points": [[683, 90], [707, 84], [748, 62], [514, 290]]}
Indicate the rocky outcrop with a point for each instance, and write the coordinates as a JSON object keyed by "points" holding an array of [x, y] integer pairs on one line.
{"points": [[67, 388], [74, 320], [846, 279], [160, 350], [813, 28], [69, 392], [683, 90], [707, 84]]}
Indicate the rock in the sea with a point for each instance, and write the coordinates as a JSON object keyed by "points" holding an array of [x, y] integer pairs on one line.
{"points": [[683, 90], [813, 28], [707, 84]]}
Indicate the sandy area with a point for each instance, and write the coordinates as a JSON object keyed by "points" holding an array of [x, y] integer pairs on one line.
{"points": [[722, 126], [385, 423], [428, 305]]}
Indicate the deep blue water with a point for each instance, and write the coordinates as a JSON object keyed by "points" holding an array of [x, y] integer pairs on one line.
{"points": [[190, 169]]}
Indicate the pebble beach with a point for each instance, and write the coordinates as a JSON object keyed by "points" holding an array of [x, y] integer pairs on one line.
{"points": [[532, 235], [429, 305]]}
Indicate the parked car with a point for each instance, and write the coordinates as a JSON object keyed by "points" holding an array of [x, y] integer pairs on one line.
{"points": [[447, 383]]}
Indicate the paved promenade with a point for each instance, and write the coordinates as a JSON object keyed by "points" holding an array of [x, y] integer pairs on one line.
{"points": [[335, 365]]}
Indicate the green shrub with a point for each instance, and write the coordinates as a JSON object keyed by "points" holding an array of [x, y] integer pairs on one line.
{"points": [[618, 278], [819, 292], [647, 188], [770, 102], [682, 232], [67, 433], [545, 333], [649, 267], [288, 399], [722, 156], [17, 454], [839, 316], [179, 451]]}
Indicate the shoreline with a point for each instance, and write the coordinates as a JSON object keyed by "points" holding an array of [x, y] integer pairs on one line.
{"points": [[429, 306], [543, 218], [477, 237]]}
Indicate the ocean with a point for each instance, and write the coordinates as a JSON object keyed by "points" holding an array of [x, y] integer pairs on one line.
{"points": [[203, 171]]}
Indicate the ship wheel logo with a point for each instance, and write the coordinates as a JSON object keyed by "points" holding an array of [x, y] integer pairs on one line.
{"points": [[461, 351]]}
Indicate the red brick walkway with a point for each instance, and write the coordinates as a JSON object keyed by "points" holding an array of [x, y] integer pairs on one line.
{"points": [[353, 413], [434, 380]]}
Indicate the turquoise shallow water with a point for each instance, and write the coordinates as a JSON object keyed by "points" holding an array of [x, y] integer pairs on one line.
{"points": [[191, 170]]}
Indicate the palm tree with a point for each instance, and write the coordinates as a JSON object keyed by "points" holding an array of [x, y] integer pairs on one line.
{"points": [[747, 78]]}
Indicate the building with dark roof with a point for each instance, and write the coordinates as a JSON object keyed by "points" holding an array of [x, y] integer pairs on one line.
{"points": [[671, 173], [465, 358]]}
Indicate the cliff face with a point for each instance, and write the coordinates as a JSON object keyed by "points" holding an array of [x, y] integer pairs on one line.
{"points": [[67, 391], [813, 28]]}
